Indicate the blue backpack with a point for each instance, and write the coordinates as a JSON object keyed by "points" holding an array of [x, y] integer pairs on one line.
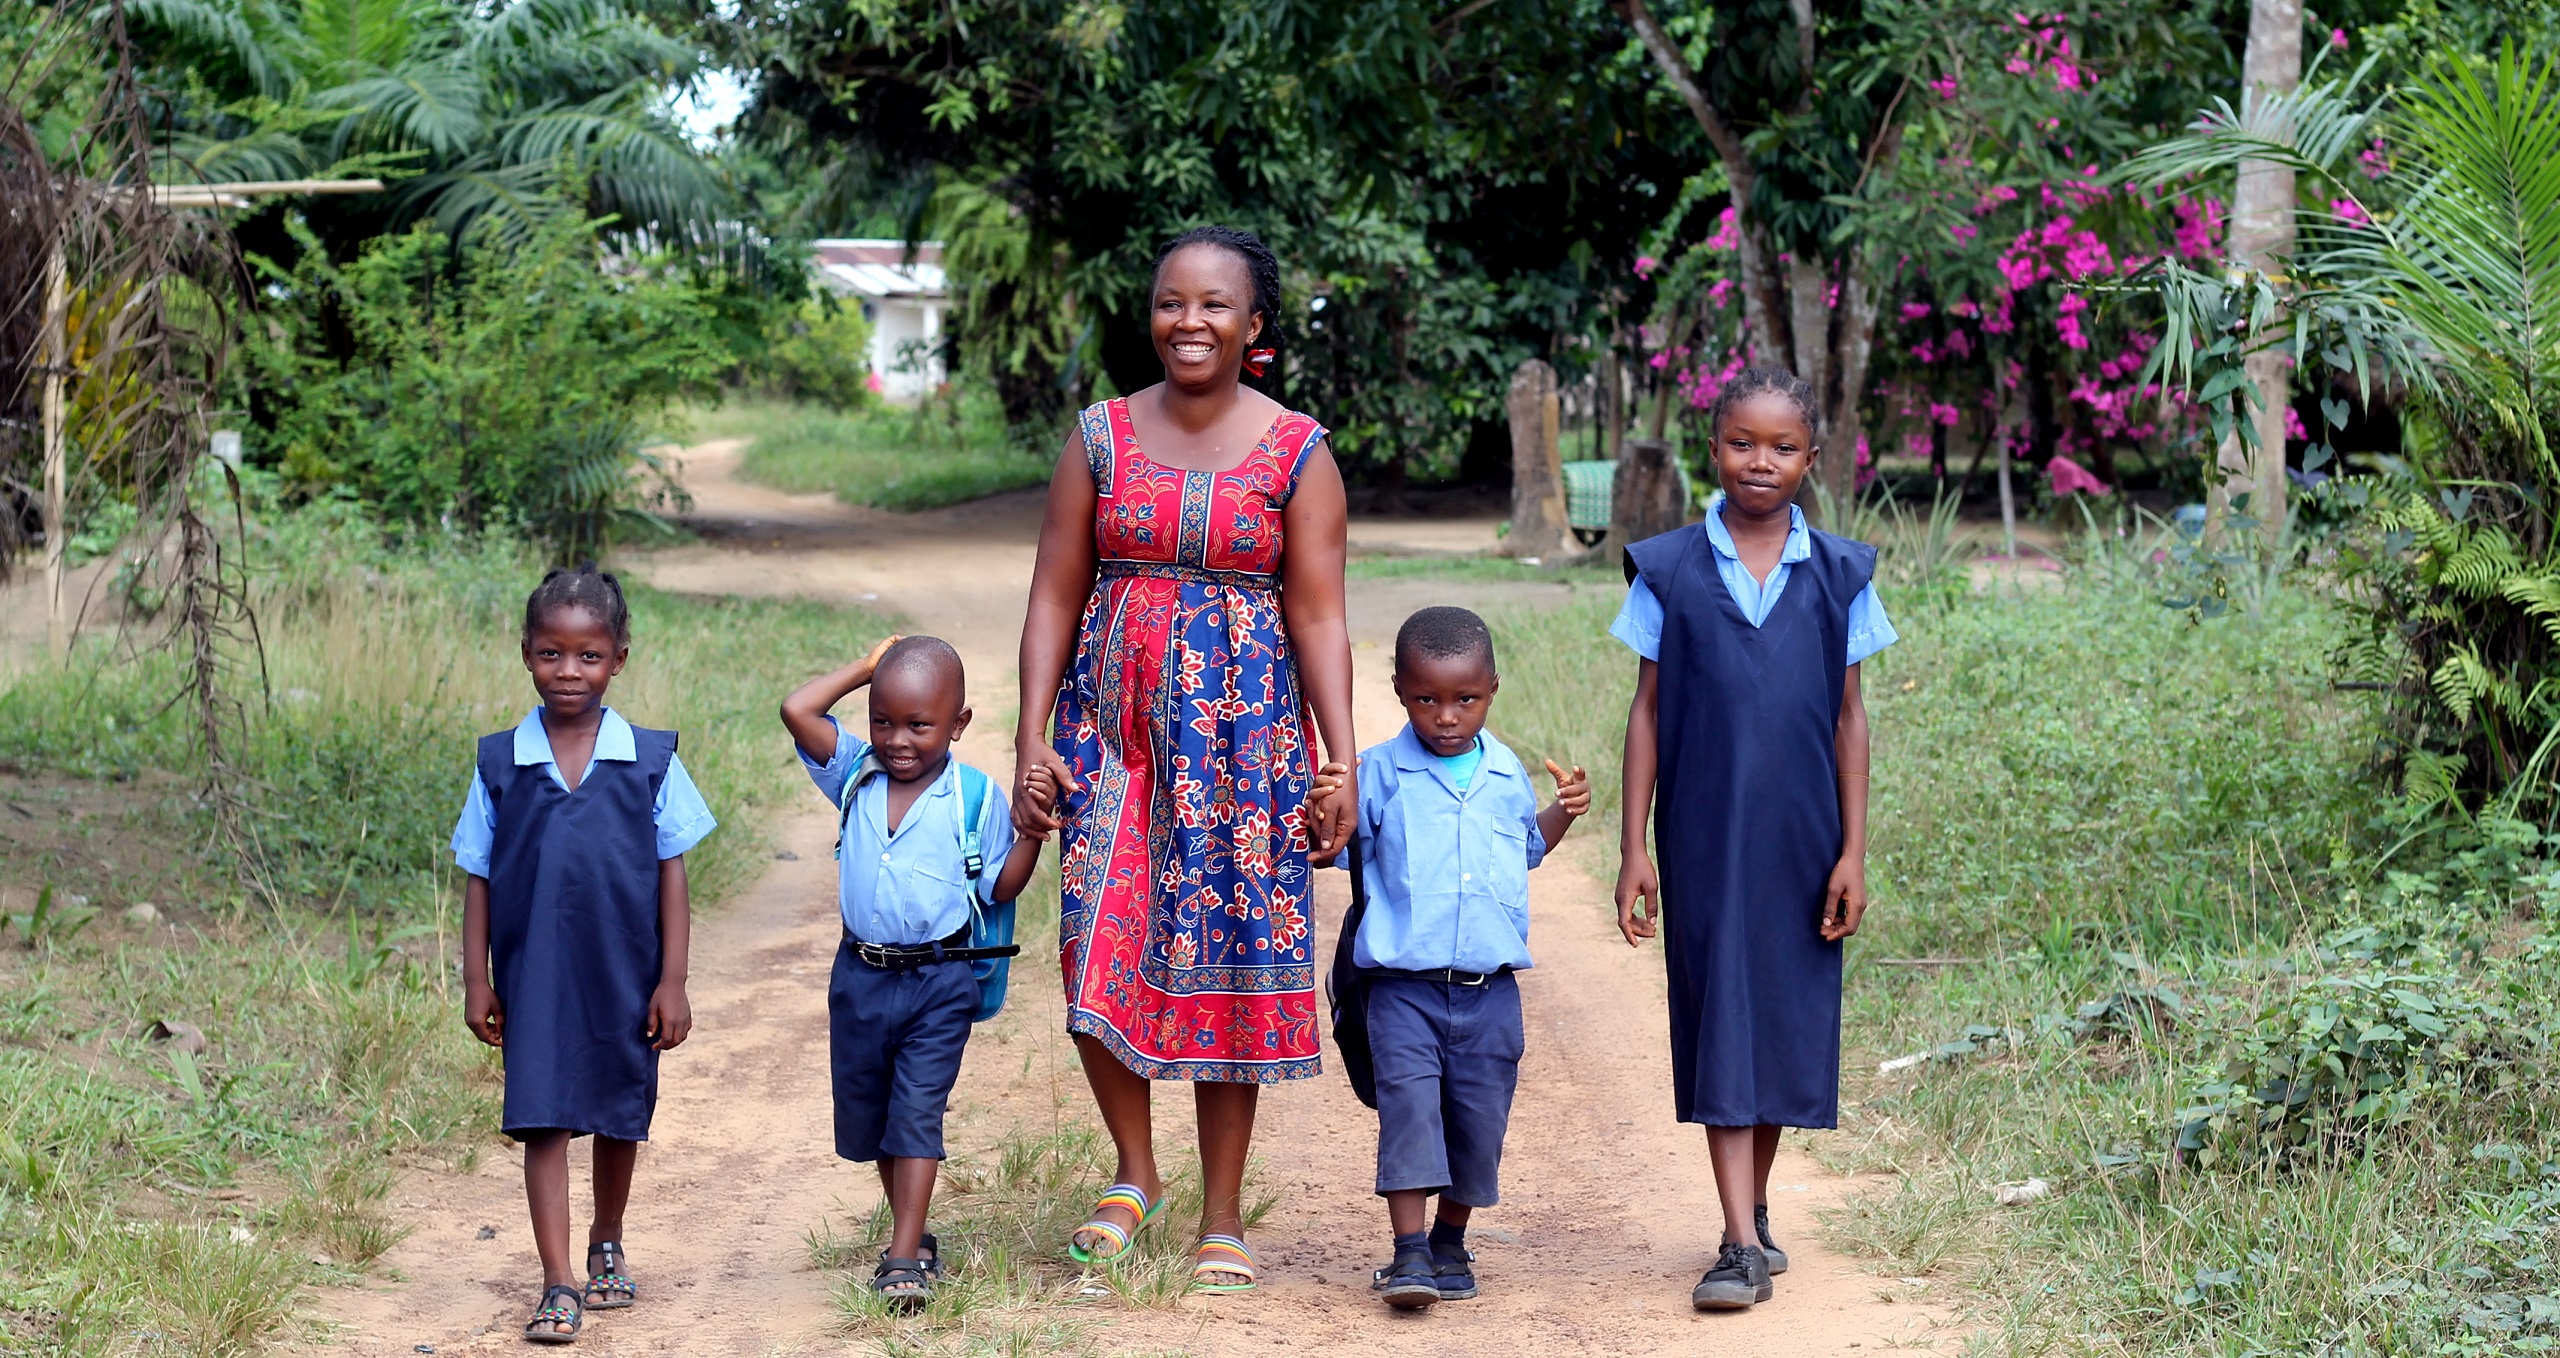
{"points": [[991, 947]]}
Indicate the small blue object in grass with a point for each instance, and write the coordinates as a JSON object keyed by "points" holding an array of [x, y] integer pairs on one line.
{"points": [[2189, 519]]}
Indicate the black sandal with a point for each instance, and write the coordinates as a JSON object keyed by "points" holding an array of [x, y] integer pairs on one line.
{"points": [[932, 1259], [1456, 1271], [544, 1327], [905, 1284], [1411, 1282], [603, 1283]]}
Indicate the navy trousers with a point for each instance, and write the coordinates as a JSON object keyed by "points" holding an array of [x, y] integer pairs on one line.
{"points": [[1448, 1059], [895, 1039]]}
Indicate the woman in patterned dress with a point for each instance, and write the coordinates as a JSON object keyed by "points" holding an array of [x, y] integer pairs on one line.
{"points": [[1186, 629]]}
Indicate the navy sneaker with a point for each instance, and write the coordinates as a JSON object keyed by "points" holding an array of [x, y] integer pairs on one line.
{"points": [[1777, 1257], [1739, 1281], [1457, 1274]]}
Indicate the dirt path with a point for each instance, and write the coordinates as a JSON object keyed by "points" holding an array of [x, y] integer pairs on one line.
{"points": [[1608, 1204]]}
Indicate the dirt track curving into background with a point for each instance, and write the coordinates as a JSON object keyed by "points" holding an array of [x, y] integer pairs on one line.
{"points": [[1608, 1212]]}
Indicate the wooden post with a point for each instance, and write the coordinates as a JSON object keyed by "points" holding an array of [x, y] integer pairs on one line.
{"points": [[1538, 525], [57, 356], [1645, 499]]}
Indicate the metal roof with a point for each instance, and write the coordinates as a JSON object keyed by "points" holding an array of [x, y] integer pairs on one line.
{"points": [[881, 268]]}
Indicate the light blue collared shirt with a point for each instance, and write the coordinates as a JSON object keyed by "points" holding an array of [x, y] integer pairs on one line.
{"points": [[1447, 868], [1639, 622], [910, 886], [683, 819]]}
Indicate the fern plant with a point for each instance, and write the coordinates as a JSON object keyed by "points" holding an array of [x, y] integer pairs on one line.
{"points": [[2428, 270]]}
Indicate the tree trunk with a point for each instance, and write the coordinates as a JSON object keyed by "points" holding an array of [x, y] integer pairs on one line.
{"points": [[1645, 498], [1538, 525], [2261, 238]]}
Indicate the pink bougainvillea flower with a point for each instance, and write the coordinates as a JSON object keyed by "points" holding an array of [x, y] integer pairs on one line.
{"points": [[1963, 306], [1963, 233], [1958, 344], [2070, 478], [1942, 413], [1992, 198], [2338, 39], [2374, 160], [1912, 311], [2067, 323], [1720, 292], [1645, 265], [2293, 430], [1944, 86], [2350, 211], [1728, 234]]}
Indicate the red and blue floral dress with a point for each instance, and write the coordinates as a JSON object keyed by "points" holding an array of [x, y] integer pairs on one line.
{"points": [[1185, 930]]}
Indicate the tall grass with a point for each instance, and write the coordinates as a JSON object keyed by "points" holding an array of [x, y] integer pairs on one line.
{"points": [[944, 451], [2111, 850], [159, 1200]]}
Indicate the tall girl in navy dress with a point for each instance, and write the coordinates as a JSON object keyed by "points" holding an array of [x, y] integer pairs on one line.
{"points": [[575, 927], [1748, 723]]}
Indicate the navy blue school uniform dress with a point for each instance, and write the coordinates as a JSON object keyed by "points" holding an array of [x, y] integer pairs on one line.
{"points": [[574, 947], [1747, 808]]}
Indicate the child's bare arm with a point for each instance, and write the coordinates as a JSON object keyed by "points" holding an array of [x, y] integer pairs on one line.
{"points": [[1041, 792], [1572, 803], [1636, 879], [804, 713], [670, 1012], [480, 1010], [1844, 902]]}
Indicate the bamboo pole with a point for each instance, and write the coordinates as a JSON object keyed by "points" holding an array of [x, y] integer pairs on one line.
{"points": [[57, 307]]}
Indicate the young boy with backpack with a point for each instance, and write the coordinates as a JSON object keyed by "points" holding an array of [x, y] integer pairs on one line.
{"points": [[927, 867]]}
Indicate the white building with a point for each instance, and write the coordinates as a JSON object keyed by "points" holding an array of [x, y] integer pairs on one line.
{"points": [[902, 296]]}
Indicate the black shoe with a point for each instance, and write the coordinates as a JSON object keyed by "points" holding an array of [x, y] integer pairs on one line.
{"points": [[1411, 1282], [1739, 1281], [1777, 1257], [1457, 1274]]}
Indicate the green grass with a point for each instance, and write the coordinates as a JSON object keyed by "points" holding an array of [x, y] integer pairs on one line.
{"points": [[2141, 839], [147, 1191], [939, 453]]}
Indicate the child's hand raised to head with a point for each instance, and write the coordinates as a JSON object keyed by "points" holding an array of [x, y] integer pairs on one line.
{"points": [[1322, 791], [1844, 901]]}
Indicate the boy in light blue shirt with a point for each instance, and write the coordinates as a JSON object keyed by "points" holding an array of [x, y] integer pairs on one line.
{"points": [[1450, 827], [902, 996]]}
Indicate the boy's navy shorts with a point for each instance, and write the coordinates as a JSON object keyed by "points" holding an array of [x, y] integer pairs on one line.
{"points": [[1448, 1059], [895, 1038]]}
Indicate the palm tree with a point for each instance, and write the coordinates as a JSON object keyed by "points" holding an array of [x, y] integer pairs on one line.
{"points": [[2434, 269], [492, 116]]}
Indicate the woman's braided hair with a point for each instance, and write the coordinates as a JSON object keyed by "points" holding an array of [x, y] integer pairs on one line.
{"points": [[586, 587], [1262, 266], [1752, 382]]}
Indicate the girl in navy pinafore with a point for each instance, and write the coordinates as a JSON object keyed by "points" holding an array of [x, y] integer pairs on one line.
{"points": [[1749, 741], [575, 927]]}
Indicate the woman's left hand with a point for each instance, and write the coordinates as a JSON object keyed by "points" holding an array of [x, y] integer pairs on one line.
{"points": [[1334, 807], [670, 1016], [1844, 901]]}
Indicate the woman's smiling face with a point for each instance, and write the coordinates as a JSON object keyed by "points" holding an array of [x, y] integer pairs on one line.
{"points": [[1204, 318]]}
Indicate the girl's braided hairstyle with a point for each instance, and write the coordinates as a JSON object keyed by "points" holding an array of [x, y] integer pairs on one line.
{"points": [[1765, 382], [586, 587], [1262, 266]]}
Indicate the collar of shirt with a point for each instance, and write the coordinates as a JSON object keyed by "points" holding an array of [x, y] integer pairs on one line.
{"points": [[1799, 542], [613, 740], [1412, 756]]}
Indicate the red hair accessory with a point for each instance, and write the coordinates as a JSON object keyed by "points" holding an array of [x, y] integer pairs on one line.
{"points": [[1258, 361]]}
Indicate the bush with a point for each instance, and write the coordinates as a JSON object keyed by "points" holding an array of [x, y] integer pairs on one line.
{"points": [[478, 387], [819, 352]]}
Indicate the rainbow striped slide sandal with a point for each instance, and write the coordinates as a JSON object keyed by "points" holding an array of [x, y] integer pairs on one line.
{"points": [[1222, 1256], [1127, 1197]]}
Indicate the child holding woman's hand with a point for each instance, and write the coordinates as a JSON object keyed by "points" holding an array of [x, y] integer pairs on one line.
{"points": [[1747, 744]]}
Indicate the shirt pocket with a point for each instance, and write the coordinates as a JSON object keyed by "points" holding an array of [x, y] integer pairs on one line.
{"points": [[1497, 857], [935, 892]]}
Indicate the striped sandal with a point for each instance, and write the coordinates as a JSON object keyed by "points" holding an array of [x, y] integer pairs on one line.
{"points": [[1128, 1198], [1222, 1256]]}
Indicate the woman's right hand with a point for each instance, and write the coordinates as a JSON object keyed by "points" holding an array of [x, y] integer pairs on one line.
{"points": [[1035, 810], [482, 1015], [1636, 881]]}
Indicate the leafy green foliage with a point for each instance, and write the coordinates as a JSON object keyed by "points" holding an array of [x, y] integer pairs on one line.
{"points": [[501, 114], [818, 351], [508, 389]]}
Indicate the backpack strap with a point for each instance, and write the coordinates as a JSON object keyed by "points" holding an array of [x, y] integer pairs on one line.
{"points": [[973, 808]]}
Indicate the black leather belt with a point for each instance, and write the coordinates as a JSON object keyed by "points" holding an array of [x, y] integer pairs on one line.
{"points": [[1443, 975], [908, 956]]}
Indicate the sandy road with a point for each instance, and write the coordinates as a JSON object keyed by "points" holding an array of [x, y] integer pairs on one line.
{"points": [[1608, 1205]]}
